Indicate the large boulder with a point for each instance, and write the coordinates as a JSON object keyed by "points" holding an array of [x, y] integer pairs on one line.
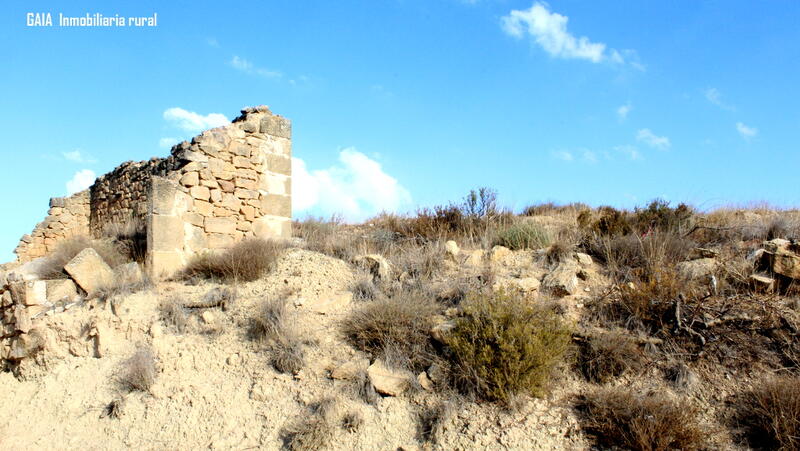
{"points": [[89, 271]]}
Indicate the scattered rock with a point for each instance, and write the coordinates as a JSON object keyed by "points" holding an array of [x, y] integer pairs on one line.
{"points": [[350, 369], [786, 263], [207, 317], [452, 250], [583, 259], [524, 285], [762, 282], [376, 264], [386, 381], [499, 253], [32, 292], [474, 257], [701, 252], [89, 270], [563, 280], [128, 274], [424, 381]]}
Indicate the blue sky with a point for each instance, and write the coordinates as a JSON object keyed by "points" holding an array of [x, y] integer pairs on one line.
{"points": [[397, 104]]}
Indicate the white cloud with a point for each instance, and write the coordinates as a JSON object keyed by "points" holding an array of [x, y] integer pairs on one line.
{"points": [[192, 122], [745, 131], [167, 143], [630, 151], [549, 31], [622, 111], [590, 156], [212, 42], [78, 157], [356, 188], [80, 181], [714, 96], [248, 67], [563, 155], [651, 139]]}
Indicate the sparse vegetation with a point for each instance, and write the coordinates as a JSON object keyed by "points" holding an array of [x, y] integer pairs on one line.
{"points": [[246, 261], [313, 431], [352, 421], [271, 325], [174, 314], [523, 236], [502, 345], [130, 237], [434, 419], [770, 413], [365, 290], [396, 329], [607, 355], [113, 409], [617, 417], [139, 371]]}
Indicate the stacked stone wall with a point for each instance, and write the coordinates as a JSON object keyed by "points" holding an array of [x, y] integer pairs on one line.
{"points": [[67, 217]]}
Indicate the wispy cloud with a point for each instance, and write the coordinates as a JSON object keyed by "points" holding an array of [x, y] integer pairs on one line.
{"points": [[549, 31], [714, 96], [78, 157], [632, 152], [246, 66], [745, 131], [623, 110], [80, 181], [166, 143], [212, 42], [564, 155], [651, 139], [192, 122], [357, 187]]}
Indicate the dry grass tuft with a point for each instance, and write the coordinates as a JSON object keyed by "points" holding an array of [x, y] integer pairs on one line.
{"points": [[770, 413], [246, 261], [617, 417], [139, 371], [523, 236], [174, 314], [397, 328], [327, 237], [271, 325], [130, 237], [114, 409], [502, 346], [314, 431], [365, 290], [605, 356], [352, 421], [433, 420]]}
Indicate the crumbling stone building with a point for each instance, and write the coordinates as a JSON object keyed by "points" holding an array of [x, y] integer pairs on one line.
{"points": [[228, 183]]}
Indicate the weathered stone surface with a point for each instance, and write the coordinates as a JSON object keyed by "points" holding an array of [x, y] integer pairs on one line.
{"points": [[451, 250], [424, 381], [699, 269], [60, 289], [190, 179], [474, 257], [32, 292], [786, 263], [165, 233], [376, 264], [129, 274], [563, 280], [220, 225], [350, 369], [386, 381], [276, 126], [272, 227], [279, 164], [583, 259], [762, 282], [276, 205], [200, 193], [330, 304], [89, 271], [499, 254], [524, 285]]}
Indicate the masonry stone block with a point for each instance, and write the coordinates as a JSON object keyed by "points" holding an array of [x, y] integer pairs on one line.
{"points": [[89, 271], [165, 233], [220, 225], [276, 205], [60, 289], [279, 164], [272, 227], [162, 196], [276, 126]]}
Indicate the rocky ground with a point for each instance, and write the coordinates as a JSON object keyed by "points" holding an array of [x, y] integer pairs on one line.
{"points": [[215, 386]]}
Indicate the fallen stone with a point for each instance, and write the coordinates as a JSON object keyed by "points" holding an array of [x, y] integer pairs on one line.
{"points": [[786, 263], [583, 259], [386, 381], [701, 252], [32, 292], [699, 269], [424, 381], [762, 282], [776, 245], [563, 280], [451, 250], [60, 289], [22, 319], [350, 369], [89, 271], [499, 254], [376, 264]]}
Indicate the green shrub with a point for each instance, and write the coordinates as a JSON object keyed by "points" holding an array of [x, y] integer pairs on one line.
{"points": [[523, 236], [503, 345], [617, 417], [658, 215], [246, 261]]}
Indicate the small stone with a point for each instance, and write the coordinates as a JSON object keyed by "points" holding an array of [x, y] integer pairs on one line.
{"points": [[452, 250], [190, 179], [207, 317], [233, 359], [500, 253], [386, 381], [424, 381], [350, 369]]}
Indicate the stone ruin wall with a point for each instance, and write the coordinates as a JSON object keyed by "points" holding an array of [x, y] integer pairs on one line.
{"points": [[228, 183], [67, 217]]}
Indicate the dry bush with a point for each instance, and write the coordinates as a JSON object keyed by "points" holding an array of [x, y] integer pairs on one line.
{"points": [[524, 235], [503, 345], [617, 417], [558, 252], [272, 325], [605, 356], [314, 431], [770, 413], [327, 237], [658, 215], [630, 253], [130, 237], [363, 389], [139, 371], [364, 289], [549, 208], [174, 314], [246, 261], [53, 265], [352, 421], [113, 409], [419, 261], [433, 419], [122, 287], [396, 328]]}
